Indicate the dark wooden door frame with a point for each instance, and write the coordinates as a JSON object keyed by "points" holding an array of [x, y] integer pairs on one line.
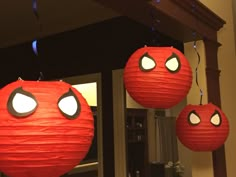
{"points": [[184, 20]]}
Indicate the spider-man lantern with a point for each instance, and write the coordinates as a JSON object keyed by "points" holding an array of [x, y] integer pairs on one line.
{"points": [[157, 77], [202, 127], [46, 128]]}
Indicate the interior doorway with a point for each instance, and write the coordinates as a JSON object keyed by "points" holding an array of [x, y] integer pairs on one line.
{"points": [[90, 87]]}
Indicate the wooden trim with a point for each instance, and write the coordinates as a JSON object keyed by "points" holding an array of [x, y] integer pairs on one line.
{"points": [[201, 12], [108, 125], [212, 71], [184, 16], [188, 16], [119, 109], [213, 87]]}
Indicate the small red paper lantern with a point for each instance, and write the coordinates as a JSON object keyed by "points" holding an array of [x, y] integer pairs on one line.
{"points": [[157, 77], [46, 128], [202, 127]]}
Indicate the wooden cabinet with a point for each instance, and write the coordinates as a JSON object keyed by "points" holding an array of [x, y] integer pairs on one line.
{"points": [[137, 148]]}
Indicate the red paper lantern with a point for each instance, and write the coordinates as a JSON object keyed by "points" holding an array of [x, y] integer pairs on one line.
{"points": [[202, 127], [46, 128], [157, 77]]}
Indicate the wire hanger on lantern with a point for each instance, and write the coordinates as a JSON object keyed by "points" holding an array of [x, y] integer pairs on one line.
{"points": [[196, 69]]}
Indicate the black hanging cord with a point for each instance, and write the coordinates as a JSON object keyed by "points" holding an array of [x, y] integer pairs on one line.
{"points": [[198, 56], [196, 70]]}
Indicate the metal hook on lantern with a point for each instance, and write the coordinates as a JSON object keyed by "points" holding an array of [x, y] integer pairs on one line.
{"points": [[40, 76]]}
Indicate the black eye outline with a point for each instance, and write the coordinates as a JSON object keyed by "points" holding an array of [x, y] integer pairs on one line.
{"points": [[220, 119], [146, 55], [171, 58], [10, 107], [189, 118], [76, 114]]}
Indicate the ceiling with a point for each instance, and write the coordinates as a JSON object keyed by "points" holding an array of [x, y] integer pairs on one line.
{"points": [[19, 23]]}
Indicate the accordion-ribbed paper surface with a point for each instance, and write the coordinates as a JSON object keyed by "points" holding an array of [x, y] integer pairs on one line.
{"points": [[44, 143], [203, 135], [158, 87]]}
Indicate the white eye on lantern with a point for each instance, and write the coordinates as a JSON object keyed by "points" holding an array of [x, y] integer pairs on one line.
{"points": [[216, 119], [172, 63], [193, 118], [147, 63], [69, 105], [21, 103]]}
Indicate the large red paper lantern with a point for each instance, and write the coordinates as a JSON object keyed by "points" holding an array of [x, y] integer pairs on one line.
{"points": [[202, 127], [157, 77], [46, 128]]}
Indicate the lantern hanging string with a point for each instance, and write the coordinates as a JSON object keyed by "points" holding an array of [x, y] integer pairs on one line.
{"points": [[35, 11], [35, 8], [35, 42], [196, 70], [155, 21], [198, 56]]}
